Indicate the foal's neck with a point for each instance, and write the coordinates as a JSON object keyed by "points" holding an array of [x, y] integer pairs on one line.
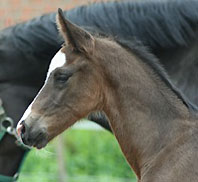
{"points": [[144, 113]]}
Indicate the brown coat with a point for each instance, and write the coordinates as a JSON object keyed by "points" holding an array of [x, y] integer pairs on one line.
{"points": [[152, 122]]}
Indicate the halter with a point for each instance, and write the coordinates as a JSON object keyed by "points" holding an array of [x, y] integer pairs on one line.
{"points": [[7, 126]]}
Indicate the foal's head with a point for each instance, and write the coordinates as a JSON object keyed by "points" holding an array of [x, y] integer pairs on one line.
{"points": [[75, 85]]}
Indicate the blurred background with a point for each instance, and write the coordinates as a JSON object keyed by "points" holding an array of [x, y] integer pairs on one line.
{"points": [[16, 11], [83, 153]]}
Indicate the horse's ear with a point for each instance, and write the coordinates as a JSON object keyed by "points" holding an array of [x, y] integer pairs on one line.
{"points": [[75, 36]]}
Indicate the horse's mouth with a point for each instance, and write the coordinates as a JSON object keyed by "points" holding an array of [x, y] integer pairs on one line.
{"points": [[33, 138], [38, 141]]}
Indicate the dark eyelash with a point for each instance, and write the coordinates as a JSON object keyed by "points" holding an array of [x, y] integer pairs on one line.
{"points": [[62, 77]]}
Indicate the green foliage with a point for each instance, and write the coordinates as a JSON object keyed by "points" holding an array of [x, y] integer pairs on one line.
{"points": [[87, 153]]}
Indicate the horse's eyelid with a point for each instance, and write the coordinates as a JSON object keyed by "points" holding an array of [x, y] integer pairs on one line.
{"points": [[67, 75]]}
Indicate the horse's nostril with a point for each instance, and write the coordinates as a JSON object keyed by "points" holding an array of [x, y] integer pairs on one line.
{"points": [[20, 128], [23, 129], [24, 133]]}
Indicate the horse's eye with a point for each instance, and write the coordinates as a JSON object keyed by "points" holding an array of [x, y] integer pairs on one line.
{"points": [[62, 78]]}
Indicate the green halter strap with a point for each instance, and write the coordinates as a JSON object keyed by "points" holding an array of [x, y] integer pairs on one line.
{"points": [[7, 126]]}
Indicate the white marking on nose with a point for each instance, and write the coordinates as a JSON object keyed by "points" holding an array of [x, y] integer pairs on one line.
{"points": [[25, 115], [57, 61]]}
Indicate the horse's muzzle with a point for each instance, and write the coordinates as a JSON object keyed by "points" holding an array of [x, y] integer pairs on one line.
{"points": [[31, 136]]}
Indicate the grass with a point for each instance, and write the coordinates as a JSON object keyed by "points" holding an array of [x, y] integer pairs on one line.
{"points": [[89, 155]]}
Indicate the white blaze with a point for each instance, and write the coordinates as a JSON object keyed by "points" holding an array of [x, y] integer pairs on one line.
{"points": [[58, 61]]}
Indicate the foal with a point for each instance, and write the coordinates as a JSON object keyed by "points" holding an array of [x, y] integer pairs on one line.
{"points": [[151, 121]]}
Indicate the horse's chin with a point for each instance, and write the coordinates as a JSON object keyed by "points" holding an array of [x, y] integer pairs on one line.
{"points": [[40, 144], [37, 138]]}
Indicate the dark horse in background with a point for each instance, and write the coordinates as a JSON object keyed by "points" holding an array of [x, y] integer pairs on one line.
{"points": [[168, 28]]}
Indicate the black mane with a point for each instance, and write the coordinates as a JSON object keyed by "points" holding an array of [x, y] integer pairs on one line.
{"points": [[167, 23], [143, 53]]}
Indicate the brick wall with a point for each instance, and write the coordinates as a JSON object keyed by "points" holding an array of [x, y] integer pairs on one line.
{"points": [[15, 11]]}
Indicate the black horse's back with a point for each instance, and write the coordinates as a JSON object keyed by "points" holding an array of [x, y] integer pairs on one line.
{"points": [[166, 23], [155, 23]]}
